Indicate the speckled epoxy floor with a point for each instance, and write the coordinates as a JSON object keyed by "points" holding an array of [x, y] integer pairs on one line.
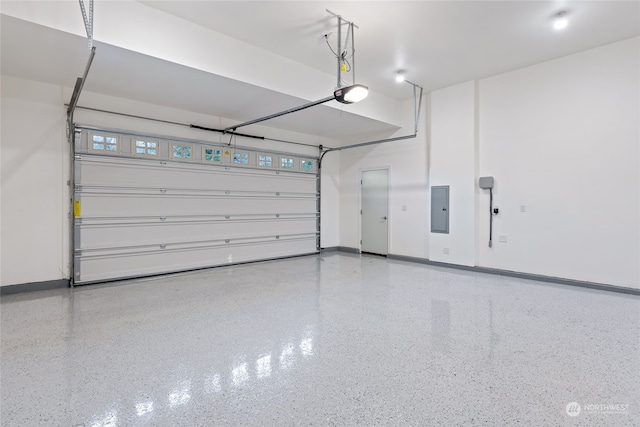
{"points": [[336, 339]]}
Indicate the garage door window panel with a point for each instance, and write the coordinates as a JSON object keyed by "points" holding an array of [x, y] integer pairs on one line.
{"points": [[265, 160], [286, 163], [104, 143], [241, 158], [306, 165], [212, 154], [181, 152], [146, 148]]}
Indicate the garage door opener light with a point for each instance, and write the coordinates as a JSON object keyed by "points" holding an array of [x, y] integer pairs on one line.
{"points": [[345, 94]]}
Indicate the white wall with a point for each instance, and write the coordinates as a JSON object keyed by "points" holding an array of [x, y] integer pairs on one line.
{"points": [[561, 139], [406, 161], [330, 201], [452, 162], [35, 168]]}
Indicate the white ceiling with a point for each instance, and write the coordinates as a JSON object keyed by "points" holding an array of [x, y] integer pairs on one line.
{"points": [[40, 53], [439, 43]]}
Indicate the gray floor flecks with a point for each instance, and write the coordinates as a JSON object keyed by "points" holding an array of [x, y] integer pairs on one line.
{"points": [[334, 339]]}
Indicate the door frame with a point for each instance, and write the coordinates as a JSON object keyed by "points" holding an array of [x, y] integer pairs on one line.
{"points": [[360, 173]]}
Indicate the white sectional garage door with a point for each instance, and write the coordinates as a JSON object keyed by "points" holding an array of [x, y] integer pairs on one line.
{"points": [[147, 205]]}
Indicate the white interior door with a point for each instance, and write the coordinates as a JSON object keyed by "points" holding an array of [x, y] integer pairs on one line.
{"points": [[375, 208]]}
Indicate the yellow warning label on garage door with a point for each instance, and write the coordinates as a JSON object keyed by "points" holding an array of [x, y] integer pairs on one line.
{"points": [[76, 208]]}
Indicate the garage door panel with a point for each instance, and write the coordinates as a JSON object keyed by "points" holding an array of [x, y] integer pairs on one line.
{"points": [[202, 243], [110, 205], [153, 174], [116, 234], [137, 216], [106, 267]]}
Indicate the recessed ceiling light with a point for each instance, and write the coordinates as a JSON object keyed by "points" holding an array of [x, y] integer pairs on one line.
{"points": [[400, 76], [560, 21]]}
